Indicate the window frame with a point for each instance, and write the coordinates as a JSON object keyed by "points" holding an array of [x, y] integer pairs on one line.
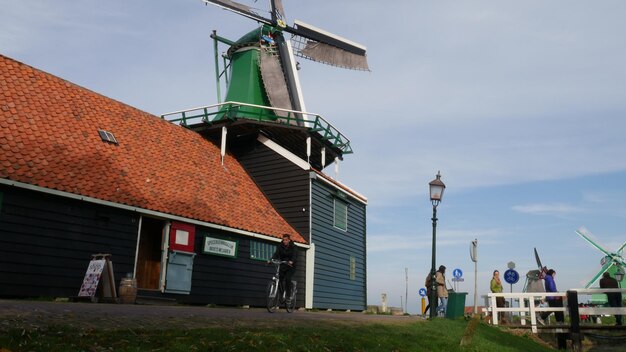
{"points": [[258, 247], [335, 214]]}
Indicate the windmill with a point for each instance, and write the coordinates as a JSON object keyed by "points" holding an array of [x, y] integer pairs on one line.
{"points": [[264, 82], [611, 261], [534, 278]]}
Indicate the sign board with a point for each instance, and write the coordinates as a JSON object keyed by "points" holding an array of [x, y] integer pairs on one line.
{"points": [[511, 276], [458, 279], [511, 265], [218, 246], [422, 292], [100, 270], [457, 273]]}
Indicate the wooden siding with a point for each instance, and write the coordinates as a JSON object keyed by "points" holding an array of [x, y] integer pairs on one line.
{"points": [[46, 242], [333, 288], [285, 184], [234, 281]]}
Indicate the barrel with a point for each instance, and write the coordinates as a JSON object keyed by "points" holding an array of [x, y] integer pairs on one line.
{"points": [[128, 290]]}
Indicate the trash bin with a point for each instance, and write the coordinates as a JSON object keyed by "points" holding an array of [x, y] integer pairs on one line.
{"points": [[456, 305]]}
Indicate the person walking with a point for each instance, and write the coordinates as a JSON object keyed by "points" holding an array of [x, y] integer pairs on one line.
{"points": [[614, 298], [553, 301], [496, 287], [442, 291]]}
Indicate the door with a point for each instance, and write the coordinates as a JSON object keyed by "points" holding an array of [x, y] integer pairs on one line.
{"points": [[181, 243], [179, 270], [149, 253]]}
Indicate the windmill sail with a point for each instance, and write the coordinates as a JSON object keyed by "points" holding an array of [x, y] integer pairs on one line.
{"points": [[317, 45], [239, 8], [586, 235], [274, 81], [604, 268]]}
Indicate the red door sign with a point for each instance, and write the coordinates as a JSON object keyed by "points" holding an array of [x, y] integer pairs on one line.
{"points": [[182, 237]]}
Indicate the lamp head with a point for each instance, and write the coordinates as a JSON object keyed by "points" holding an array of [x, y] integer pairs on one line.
{"points": [[436, 189]]}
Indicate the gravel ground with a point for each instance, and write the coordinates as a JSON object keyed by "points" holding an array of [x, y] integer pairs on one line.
{"points": [[38, 314]]}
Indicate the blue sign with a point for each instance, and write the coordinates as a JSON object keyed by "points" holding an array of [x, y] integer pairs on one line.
{"points": [[457, 273], [422, 292], [511, 276]]}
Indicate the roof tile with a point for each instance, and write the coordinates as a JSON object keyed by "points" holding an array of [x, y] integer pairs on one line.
{"points": [[49, 137]]}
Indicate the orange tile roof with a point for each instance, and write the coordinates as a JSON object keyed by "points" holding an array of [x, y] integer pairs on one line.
{"points": [[49, 138]]}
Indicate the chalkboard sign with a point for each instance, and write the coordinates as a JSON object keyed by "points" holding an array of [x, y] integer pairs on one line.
{"points": [[99, 273]]}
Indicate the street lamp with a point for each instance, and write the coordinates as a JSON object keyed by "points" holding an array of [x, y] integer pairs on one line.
{"points": [[436, 193], [619, 275]]}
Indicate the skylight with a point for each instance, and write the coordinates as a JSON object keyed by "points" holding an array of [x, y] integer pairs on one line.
{"points": [[107, 136]]}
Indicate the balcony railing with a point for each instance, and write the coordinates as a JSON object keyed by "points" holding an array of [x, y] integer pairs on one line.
{"points": [[210, 114]]}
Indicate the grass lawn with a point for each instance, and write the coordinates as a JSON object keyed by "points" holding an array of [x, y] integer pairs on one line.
{"points": [[437, 335]]}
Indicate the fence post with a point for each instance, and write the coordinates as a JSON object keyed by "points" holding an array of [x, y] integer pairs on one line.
{"points": [[572, 305]]}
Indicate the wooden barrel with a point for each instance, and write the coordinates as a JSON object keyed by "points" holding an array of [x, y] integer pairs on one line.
{"points": [[128, 290]]}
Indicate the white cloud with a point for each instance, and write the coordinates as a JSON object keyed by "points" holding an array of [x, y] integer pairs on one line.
{"points": [[559, 209]]}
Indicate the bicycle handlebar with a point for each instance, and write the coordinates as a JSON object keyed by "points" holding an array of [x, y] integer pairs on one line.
{"points": [[275, 261]]}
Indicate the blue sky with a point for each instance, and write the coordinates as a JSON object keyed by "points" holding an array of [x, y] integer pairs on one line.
{"points": [[519, 104]]}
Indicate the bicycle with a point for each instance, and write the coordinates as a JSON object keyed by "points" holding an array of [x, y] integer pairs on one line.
{"points": [[276, 291]]}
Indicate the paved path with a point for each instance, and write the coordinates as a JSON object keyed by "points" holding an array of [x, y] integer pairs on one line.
{"points": [[36, 314]]}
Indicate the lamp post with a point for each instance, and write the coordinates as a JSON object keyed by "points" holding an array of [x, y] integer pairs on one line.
{"points": [[436, 193]]}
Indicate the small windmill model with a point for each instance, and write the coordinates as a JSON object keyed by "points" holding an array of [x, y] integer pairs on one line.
{"points": [[264, 94], [611, 261]]}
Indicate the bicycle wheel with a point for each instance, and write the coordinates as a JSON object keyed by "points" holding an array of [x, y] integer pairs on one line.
{"points": [[290, 303], [272, 297]]}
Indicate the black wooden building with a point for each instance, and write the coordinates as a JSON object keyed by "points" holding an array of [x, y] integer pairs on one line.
{"points": [[82, 174]]}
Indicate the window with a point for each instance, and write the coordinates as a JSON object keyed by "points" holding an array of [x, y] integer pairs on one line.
{"points": [[107, 136], [261, 251], [352, 268], [341, 214]]}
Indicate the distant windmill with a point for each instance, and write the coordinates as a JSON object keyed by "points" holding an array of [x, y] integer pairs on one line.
{"points": [[534, 278], [264, 73], [611, 261]]}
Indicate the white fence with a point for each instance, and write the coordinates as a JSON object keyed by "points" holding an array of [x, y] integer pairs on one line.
{"points": [[528, 305]]}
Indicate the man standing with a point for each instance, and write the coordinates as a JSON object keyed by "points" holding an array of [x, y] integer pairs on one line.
{"points": [[614, 298]]}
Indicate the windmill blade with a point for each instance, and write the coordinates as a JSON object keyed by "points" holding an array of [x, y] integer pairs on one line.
{"points": [[542, 269], [241, 9], [318, 45], [620, 249], [585, 234], [278, 13], [604, 268], [274, 81], [537, 259]]}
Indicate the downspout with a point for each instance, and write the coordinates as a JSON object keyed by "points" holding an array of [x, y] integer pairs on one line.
{"points": [[310, 253]]}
